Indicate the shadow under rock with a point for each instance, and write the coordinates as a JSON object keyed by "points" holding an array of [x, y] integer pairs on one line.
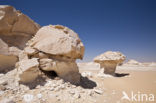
{"points": [[50, 74], [121, 74], [6, 70], [86, 83], [39, 81]]}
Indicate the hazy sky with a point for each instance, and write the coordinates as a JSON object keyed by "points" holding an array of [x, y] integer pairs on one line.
{"points": [[128, 26]]}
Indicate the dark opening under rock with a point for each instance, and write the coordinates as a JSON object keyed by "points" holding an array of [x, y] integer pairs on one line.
{"points": [[50, 74]]}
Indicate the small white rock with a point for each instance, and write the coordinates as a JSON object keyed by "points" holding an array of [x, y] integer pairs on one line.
{"points": [[28, 97], [57, 89], [98, 91], [52, 88], [62, 86], [86, 74], [1, 93], [1, 74], [49, 83], [39, 95], [73, 86], [72, 92], [54, 85], [77, 95]]}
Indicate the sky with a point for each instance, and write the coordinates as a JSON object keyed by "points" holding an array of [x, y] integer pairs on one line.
{"points": [[128, 26]]}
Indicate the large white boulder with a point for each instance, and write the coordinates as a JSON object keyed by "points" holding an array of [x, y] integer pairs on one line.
{"points": [[15, 30], [15, 27], [58, 40]]}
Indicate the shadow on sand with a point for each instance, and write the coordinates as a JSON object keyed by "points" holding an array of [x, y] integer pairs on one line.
{"points": [[39, 81], [86, 83], [121, 74]]}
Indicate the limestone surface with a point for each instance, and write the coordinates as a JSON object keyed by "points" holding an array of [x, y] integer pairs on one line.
{"points": [[58, 40], [15, 30], [27, 70]]}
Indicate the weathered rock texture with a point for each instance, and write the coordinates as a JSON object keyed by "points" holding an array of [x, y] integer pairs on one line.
{"points": [[8, 56], [109, 60], [58, 40], [15, 30], [57, 48], [28, 70]]}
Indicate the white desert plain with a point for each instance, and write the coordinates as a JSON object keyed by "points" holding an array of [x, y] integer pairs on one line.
{"points": [[38, 65]]}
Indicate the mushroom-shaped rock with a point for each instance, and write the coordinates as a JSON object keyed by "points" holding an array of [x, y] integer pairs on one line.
{"points": [[109, 60], [15, 30], [58, 40], [57, 48]]}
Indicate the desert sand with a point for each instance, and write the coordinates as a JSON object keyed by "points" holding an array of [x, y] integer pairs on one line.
{"points": [[137, 79]]}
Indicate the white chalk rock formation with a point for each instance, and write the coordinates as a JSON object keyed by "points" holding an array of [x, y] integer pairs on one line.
{"points": [[15, 30], [152, 64], [57, 48], [132, 63], [109, 60]]}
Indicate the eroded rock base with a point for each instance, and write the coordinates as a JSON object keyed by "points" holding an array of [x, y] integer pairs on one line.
{"points": [[109, 67]]}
